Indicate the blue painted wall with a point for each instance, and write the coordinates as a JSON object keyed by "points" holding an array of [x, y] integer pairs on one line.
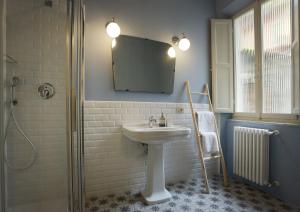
{"points": [[228, 8], [284, 158], [157, 20]]}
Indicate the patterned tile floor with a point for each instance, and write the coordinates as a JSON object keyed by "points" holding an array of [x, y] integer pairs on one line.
{"points": [[187, 197]]}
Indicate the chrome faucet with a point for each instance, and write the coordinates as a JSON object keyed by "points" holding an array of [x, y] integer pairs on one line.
{"points": [[151, 121]]}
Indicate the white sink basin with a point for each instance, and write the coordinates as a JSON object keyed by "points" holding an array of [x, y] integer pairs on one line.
{"points": [[155, 137]]}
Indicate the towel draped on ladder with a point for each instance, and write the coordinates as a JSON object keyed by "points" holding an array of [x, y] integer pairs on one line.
{"points": [[205, 120]]}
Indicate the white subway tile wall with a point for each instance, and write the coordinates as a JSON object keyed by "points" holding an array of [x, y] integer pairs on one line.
{"points": [[114, 164], [36, 38]]}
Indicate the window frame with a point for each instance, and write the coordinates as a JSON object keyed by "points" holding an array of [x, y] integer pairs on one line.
{"points": [[259, 115]]}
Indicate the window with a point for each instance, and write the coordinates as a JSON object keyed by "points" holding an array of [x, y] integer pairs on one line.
{"points": [[245, 83], [263, 53], [276, 56]]}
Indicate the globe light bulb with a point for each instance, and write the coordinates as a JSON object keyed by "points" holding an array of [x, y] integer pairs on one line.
{"points": [[113, 30], [184, 44], [171, 52]]}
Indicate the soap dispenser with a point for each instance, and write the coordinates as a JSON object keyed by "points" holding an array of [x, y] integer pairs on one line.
{"points": [[162, 120]]}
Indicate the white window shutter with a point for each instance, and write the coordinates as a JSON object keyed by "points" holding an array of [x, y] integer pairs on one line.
{"points": [[222, 65]]}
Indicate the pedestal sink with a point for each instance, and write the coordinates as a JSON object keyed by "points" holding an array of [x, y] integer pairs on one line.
{"points": [[155, 137]]}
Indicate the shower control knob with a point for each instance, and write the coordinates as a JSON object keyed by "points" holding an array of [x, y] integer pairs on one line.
{"points": [[46, 90]]}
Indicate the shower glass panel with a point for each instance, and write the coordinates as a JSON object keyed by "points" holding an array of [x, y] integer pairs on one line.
{"points": [[38, 153]]}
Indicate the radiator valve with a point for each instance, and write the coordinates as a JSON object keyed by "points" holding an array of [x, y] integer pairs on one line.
{"points": [[273, 184]]}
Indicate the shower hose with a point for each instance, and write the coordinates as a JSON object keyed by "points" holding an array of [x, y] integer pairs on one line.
{"points": [[34, 157]]}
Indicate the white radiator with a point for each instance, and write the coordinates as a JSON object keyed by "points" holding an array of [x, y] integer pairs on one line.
{"points": [[251, 154]]}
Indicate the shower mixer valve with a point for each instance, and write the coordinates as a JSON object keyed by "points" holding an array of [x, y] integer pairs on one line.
{"points": [[46, 90]]}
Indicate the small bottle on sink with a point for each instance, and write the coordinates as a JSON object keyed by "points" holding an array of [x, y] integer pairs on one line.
{"points": [[162, 120]]}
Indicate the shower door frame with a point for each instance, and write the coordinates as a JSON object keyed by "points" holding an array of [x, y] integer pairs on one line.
{"points": [[75, 94], [2, 112]]}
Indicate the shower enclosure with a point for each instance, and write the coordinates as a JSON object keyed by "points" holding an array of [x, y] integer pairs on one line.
{"points": [[41, 151]]}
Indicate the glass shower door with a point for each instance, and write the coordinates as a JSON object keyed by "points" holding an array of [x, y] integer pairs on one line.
{"points": [[39, 150]]}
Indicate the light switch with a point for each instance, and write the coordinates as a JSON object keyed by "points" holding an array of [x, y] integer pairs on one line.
{"points": [[179, 110]]}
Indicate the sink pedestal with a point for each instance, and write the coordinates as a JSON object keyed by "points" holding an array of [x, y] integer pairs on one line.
{"points": [[155, 137], [156, 191]]}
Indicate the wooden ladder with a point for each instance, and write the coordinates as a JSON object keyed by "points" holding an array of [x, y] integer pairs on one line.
{"points": [[198, 135]]}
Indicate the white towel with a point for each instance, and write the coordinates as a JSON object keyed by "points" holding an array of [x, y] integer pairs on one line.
{"points": [[205, 121], [210, 143], [208, 132]]}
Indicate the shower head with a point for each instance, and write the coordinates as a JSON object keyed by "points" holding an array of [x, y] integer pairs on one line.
{"points": [[15, 81]]}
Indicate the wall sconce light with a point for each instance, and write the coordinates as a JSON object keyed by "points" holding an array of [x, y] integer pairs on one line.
{"points": [[183, 43], [172, 52], [112, 29]]}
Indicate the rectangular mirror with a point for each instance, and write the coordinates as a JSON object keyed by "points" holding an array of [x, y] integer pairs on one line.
{"points": [[142, 65]]}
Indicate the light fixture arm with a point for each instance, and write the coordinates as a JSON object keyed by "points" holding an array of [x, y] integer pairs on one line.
{"points": [[175, 40]]}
